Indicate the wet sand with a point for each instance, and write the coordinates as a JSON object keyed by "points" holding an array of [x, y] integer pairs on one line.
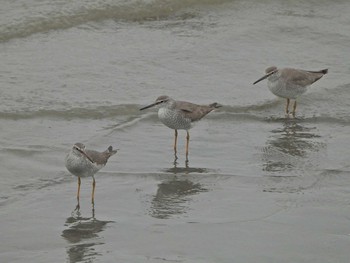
{"points": [[183, 217]]}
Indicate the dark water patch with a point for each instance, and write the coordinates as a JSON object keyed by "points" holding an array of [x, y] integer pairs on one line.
{"points": [[302, 14], [99, 112], [28, 150], [188, 170], [266, 105]]}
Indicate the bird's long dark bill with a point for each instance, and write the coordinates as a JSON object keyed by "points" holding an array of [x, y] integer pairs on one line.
{"points": [[84, 153], [264, 77], [149, 106]]}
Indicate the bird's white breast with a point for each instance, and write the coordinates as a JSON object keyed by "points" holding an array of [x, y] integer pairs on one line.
{"points": [[174, 119], [285, 89], [79, 165]]}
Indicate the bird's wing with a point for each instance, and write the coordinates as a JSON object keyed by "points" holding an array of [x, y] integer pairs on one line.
{"points": [[97, 157], [193, 111], [301, 77], [185, 106]]}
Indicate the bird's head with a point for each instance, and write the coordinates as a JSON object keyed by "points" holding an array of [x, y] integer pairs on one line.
{"points": [[268, 72], [161, 100]]}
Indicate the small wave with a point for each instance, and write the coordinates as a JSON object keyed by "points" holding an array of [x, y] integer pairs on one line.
{"points": [[125, 110], [27, 150], [22, 190], [42, 183], [71, 16], [264, 112], [98, 112]]}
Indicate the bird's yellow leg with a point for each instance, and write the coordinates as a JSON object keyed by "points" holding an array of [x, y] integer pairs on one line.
{"points": [[93, 191], [175, 142], [294, 108], [187, 143], [78, 192], [287, 107]]}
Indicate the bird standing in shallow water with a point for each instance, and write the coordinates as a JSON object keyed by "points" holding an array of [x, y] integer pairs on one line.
{"points": [[290, 83], [84, 163], [180, 115]]}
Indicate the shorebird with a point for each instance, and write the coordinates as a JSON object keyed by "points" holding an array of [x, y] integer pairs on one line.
{"points": [[290, 83], [180, 115], [84, 163]]}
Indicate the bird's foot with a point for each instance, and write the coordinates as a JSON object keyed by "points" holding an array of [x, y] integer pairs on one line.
{"points": [[187, 162], [175, 160], [289, 115], [76, 212], [77, 208]]}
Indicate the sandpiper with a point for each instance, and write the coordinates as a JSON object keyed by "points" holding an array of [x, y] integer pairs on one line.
{"points": [[83, 163], [180, 115], [290, 83]]}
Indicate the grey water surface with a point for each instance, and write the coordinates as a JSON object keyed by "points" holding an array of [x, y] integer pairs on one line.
{"points": [[258, 187]]}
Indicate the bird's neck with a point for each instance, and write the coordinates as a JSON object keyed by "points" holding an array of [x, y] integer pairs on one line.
{"points": [[274, 76], [171, 104]]}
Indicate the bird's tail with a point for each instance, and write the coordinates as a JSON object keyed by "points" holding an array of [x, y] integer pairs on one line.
{"points": [[323, 71], [110, 151], [215, 105]]}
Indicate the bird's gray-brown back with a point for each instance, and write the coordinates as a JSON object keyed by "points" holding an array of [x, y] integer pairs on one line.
{"points": [[193, 111], [301, 77], [100, 158]]}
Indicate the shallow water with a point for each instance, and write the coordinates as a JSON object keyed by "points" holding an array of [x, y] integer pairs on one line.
{"points": [[258, 187]]}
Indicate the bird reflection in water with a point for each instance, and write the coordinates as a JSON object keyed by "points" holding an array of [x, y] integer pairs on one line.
{"points": [[174, 194], [175, 163], [184, 170], [289, 146], [172, 197], [83, 235]]}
